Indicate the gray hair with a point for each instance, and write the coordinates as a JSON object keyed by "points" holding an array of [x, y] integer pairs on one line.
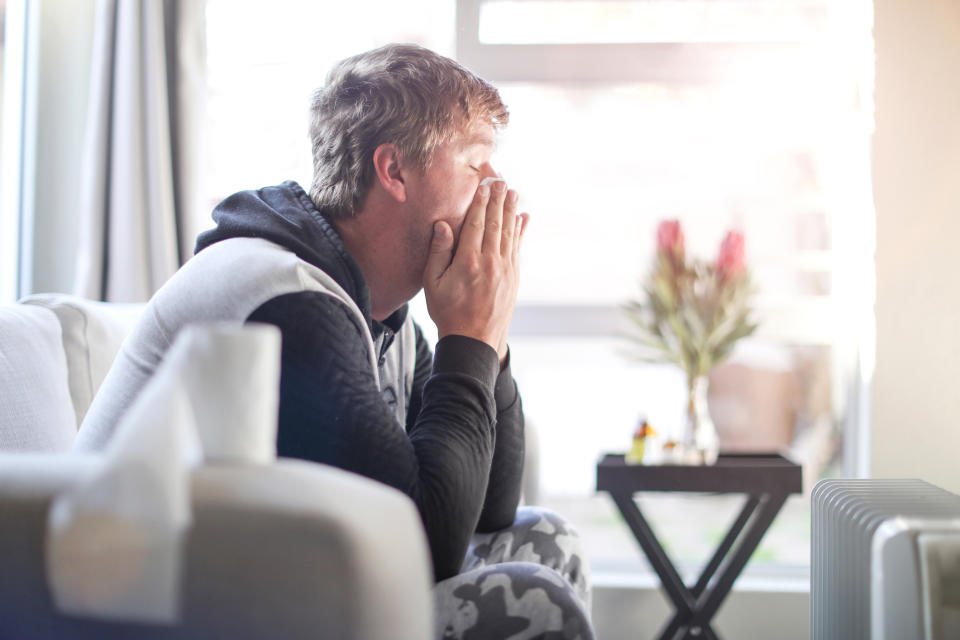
{"points": [[401, 94]]}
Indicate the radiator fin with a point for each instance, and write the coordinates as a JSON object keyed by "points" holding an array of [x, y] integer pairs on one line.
{"points": [[862, 532]]}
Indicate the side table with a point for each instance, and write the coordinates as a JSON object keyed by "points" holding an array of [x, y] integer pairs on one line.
{"points": [[767, 479]]}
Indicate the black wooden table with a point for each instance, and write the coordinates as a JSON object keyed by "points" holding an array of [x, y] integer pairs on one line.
{"points": [[767, 479]]}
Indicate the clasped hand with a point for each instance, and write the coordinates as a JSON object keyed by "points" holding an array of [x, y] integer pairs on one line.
{"points": [[472, 291]]}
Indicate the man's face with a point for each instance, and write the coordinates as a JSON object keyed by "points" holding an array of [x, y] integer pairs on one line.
{"points": [[446, 189]]}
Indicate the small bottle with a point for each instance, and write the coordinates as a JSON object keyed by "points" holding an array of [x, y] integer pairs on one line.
{"points": [[635, 455]]}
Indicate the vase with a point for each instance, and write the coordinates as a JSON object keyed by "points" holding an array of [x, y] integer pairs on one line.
{"points": [[700, 442]]}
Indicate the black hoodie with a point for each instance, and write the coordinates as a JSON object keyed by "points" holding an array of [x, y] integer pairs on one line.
{"points": [[460, 454]]}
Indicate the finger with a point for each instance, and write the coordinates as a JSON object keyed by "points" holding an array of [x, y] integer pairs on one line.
{"points": [[508, 239], [522, 221], [493, 223], [471, 233], [441, 252]]}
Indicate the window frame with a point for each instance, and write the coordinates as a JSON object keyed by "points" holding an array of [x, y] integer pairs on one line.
{"points": [[701, 63], [662, 63], [19, 93]]}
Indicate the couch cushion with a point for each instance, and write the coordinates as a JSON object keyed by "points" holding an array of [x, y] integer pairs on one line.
{"points": [[36, 413], [92, 335]]}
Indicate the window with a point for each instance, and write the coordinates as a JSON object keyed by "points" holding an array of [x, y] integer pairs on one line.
{"points": [[629, 21], [727, 113], [265, 60], [13, 22], [752, 115]]}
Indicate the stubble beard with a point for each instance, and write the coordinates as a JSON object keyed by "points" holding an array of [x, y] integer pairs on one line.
{"points": [[417, 246]]}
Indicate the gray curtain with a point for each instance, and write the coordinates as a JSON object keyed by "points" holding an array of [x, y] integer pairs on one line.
{"points": [[138, 176]]}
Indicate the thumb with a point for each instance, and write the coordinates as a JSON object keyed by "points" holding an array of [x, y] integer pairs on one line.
{"points": [[441, 252]]}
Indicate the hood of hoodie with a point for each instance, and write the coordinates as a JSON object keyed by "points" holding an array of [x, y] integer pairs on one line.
{"points": [[285, 215]]}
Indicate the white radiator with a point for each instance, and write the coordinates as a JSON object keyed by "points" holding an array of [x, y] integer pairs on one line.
{"points": [[885, 561]]}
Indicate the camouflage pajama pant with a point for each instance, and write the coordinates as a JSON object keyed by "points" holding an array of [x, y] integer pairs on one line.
{"points": [[530, 580]]}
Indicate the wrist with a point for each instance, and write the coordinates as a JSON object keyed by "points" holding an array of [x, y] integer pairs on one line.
{"points": [[457, 353], [474, 334]]}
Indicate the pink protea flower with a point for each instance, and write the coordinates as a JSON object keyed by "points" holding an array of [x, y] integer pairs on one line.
{"points": [[670, 240], [730, 261]]}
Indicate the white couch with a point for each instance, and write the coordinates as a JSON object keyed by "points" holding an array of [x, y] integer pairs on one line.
{"points": [[286, 550]]}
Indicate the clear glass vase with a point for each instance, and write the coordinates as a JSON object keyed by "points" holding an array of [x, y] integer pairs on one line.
{"points": [[700, 442]]}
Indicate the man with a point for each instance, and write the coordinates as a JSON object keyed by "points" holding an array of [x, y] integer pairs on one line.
{"points": [[403, 197]]}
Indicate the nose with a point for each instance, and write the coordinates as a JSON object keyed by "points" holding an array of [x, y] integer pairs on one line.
{"points": [[487, 171]]}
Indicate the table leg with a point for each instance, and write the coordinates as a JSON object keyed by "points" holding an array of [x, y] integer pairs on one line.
{"points": [[677, 630], [669, 578], [695, 608], [748, 508], [709, 602], [695, 622], [674, 630]]}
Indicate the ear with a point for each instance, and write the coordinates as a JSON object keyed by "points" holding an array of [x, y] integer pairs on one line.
{"points": [[386, 165]]}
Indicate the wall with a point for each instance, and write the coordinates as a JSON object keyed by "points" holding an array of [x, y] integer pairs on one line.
{"points": [[756, 609], [916, 403]]}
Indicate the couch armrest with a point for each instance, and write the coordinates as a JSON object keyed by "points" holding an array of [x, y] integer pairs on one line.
{"points": [[289, 550]]}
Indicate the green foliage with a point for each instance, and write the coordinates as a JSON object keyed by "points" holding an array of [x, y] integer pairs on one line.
{"points": [[691, 314]]}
